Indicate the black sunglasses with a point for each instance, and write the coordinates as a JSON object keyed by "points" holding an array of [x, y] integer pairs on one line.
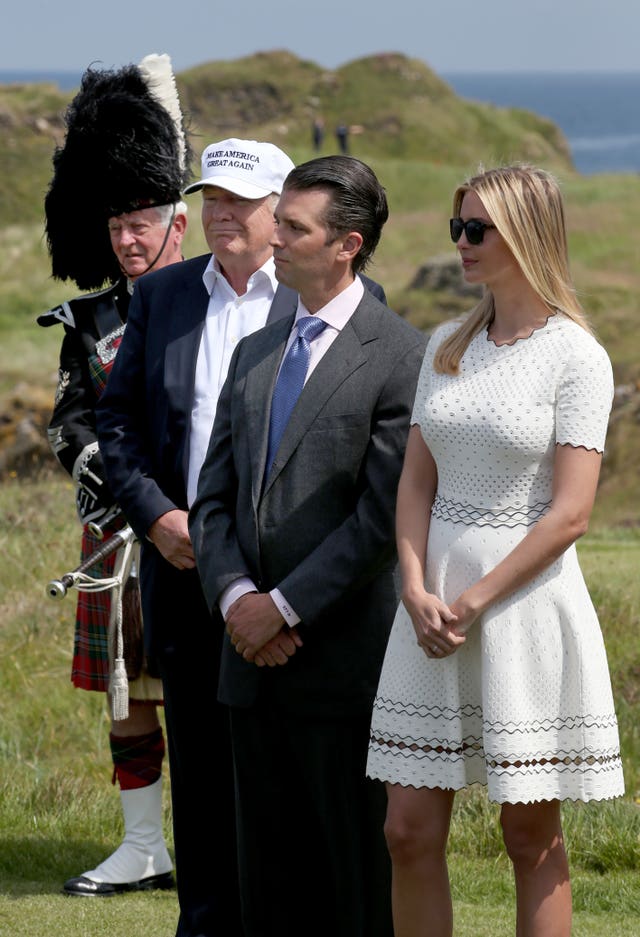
{"points": [[473, 229]]}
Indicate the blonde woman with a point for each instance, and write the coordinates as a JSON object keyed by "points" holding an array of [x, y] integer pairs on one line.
{"points": [[496, 670]]}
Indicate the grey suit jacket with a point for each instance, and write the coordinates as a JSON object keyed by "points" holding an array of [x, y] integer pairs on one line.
{"points": [[321, 526]]}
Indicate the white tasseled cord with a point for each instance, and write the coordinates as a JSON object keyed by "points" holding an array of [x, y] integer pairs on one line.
{"points": [[118, 681]]}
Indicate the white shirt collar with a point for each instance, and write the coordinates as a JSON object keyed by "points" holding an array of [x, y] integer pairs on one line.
{"points": [[339, 310], [213, 272]]}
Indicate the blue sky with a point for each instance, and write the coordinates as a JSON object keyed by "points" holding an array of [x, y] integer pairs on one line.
{"points": [[449, 35]]}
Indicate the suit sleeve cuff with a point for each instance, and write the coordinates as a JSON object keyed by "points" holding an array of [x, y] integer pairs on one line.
{"points": [[238, 588], [284, 608]]}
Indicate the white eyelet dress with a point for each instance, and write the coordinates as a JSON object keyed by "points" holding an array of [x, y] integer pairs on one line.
{"points": [[525, 705]]}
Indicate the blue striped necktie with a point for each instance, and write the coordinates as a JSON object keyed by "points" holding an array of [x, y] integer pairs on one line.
{"points": [[291, 381]]}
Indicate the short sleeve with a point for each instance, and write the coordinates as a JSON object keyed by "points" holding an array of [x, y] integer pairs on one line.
{"points": [[424, 378], [422, 387], [584, 398]]}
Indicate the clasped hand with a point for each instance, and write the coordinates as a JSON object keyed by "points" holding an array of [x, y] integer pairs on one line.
{"points": [[255, 627], [439, 630]]}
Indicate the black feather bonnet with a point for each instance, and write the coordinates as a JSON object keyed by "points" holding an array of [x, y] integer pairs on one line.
{"points": [[125, 149]]}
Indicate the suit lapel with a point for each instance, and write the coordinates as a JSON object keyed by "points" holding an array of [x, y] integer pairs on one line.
{"points": [[346, 355], [285, 303], [261, 378], [186, 314], [262, 382]]}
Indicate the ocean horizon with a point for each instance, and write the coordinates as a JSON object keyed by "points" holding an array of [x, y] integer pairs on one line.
{"points": [[598, 112]]}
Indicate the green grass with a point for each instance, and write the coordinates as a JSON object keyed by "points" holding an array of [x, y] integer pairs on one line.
{"points": [[482, 891], [59, 814]]}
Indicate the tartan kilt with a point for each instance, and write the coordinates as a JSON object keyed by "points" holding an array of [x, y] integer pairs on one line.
{"points": [[90, 668]]}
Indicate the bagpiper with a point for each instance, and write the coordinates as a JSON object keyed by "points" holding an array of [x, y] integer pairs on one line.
{"points": [[113, 212]]}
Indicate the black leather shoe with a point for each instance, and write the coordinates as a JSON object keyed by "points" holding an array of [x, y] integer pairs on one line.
{"points": [[84, 887]]}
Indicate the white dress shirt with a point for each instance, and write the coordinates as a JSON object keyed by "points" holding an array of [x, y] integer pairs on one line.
{"points": [[229, 318], [336, 314]]}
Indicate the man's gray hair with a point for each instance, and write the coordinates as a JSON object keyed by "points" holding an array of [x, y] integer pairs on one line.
{"points": [[167, 212]]}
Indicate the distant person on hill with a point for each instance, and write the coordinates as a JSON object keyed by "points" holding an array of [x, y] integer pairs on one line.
{"points": [[110, 219], [496, 670], [317, 134], [342, 136]]}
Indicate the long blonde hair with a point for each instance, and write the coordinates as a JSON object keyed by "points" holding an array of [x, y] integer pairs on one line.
{"points": [[525, 205]]}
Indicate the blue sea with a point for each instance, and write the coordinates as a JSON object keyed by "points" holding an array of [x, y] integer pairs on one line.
{"points": [[599, 113]]}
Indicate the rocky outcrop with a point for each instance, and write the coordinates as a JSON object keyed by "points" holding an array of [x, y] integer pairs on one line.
{"points": [[24, 416], [444, 272]]}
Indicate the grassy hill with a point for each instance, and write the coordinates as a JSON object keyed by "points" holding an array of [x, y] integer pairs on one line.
{"points": [[419, 137], [396, 106]]}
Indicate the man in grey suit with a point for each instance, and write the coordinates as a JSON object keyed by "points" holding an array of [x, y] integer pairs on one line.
{"points": [[292, 530]]}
